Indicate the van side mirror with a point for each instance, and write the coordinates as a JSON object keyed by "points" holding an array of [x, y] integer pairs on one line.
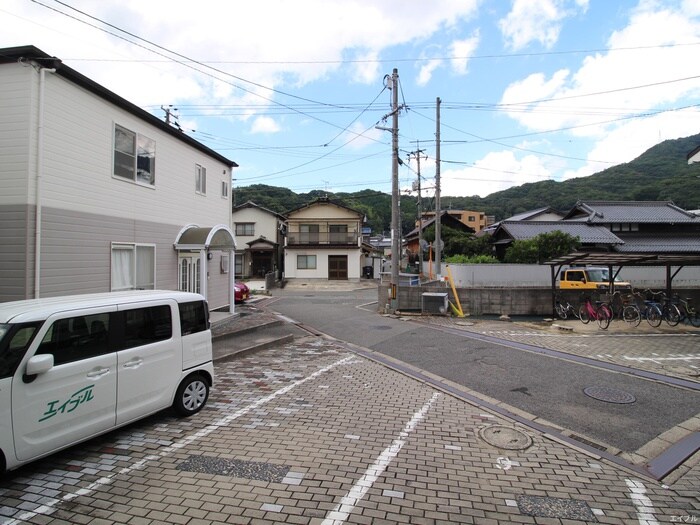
{"points": [[39, 364]]}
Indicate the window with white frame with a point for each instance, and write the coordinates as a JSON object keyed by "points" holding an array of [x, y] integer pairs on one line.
{"points": [[134, 156], [200, 179], [245, 229], [133, 266], [306, 262], [224, 189]]}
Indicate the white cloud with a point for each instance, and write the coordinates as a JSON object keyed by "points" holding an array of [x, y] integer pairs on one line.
{"points": [[359, 135], [536, 21], [276, 43], [463, 49], [626, 142], [427, 70], [264, 125], [597, 100], [494, 172]]}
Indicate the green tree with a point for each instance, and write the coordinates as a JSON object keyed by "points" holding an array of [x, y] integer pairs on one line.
{"points": [[541, 248]]}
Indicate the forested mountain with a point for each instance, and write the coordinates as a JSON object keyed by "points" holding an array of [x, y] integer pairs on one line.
{"points": [[660, 173]]}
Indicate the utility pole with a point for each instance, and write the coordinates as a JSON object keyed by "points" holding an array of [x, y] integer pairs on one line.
{"points": [[438, 238], [395, 213], [170, 113], [392, 83], [417, 154]]}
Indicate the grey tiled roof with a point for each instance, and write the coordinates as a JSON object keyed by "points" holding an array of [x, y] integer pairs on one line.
{"points": [[528, 215], [607, 212], [661, 243], [520, 230]]}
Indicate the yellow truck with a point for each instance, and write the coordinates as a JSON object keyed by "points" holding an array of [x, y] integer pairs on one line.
{"points": [[589, 278]]}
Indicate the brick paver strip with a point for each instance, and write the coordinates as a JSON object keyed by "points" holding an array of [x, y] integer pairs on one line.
{"points": [[304, 428]]}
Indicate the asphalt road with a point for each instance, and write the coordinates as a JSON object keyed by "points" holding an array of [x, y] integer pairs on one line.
{"points": [[548, 387]]}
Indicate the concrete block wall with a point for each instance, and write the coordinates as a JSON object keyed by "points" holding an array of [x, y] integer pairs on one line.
{"points": [[535, 301]]}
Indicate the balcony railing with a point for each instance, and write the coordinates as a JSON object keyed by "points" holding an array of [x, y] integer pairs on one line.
{"points": [[322, 239]]}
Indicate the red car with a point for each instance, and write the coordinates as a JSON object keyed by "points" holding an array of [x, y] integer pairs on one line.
{"points": [[241, 292]]}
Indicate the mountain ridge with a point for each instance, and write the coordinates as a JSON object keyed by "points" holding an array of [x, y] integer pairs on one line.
{"points": [[659, 174]]}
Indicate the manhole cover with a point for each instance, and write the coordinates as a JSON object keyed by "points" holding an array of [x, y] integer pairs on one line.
{"points": [[609, 395], [505, 437]]}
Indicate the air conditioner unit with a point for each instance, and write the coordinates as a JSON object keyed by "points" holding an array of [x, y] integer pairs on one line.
{"points": [[433, 303]]}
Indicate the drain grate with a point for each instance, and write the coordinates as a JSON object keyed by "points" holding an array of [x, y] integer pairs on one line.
{"points": [[560, 508], [609, 395], [588, 442], [235, 468], [508, 438]]}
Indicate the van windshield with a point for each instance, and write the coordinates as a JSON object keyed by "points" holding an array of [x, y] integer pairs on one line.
{"points": [[14, 341], [598, 275]]}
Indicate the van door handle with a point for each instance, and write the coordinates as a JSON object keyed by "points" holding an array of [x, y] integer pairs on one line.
{"points": [[133, 363], [98, 373]]}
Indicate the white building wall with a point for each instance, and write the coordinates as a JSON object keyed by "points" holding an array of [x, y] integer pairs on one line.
{"points": [[84, 207], [17, 93], [265, 225], [321, 271], [523, 275], [79, 138]]}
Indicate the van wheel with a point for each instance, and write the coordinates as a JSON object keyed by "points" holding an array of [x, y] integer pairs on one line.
{"points": [[191, 395]]}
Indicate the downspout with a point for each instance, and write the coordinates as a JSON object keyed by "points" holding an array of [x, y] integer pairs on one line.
{"points": [[39, 175], [232, 280]]}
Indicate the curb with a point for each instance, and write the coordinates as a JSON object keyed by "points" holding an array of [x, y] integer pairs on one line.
{"points": [[253, 348]]}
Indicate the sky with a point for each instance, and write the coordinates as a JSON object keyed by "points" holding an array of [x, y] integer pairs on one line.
{"points": [[297, 92]]}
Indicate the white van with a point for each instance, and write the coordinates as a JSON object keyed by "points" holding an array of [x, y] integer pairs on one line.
{"points": [[74, 367]]}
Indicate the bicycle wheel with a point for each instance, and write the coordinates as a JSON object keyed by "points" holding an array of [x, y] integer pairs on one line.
{"points": [[653, 315], [632, 315], [603, 316], [572, 311], [583, 314], [561, 311], [694, 319], [671, 314]]}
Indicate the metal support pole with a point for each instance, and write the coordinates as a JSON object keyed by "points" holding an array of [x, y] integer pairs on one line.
{"points": [[438, 218]]}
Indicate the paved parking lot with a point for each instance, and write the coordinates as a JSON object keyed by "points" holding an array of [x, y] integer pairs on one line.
{"points": [[310, 432], [670, 351]]}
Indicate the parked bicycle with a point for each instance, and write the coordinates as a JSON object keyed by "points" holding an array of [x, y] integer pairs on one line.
{"points": [[624, 306], [687, 310], [660, 310], [564, 308], [601, 312]]}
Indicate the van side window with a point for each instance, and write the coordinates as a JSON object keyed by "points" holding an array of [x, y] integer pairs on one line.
{"points": [[76, 338], [194, 317], [147, 325], [14, 341]]}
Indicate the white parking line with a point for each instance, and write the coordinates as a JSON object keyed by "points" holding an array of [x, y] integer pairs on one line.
{"points": [[342, 511], [644, 506], [48, 508]]}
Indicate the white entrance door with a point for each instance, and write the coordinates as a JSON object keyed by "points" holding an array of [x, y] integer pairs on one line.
{"points": [[189, 274]]}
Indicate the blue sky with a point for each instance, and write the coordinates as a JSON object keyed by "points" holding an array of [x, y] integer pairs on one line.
{"points": [[293, 91]]}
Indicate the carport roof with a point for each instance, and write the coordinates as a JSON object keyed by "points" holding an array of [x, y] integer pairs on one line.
{"points": [[626, 259]]}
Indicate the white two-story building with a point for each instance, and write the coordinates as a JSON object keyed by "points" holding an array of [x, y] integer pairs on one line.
{"points": [[324, 241], [99, 195]]}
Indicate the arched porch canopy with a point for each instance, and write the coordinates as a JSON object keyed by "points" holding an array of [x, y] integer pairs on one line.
{"points": [[193, 237], [203, 240]]}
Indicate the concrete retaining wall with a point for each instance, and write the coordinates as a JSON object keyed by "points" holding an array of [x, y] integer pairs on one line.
{"points": [[535, 301]]}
